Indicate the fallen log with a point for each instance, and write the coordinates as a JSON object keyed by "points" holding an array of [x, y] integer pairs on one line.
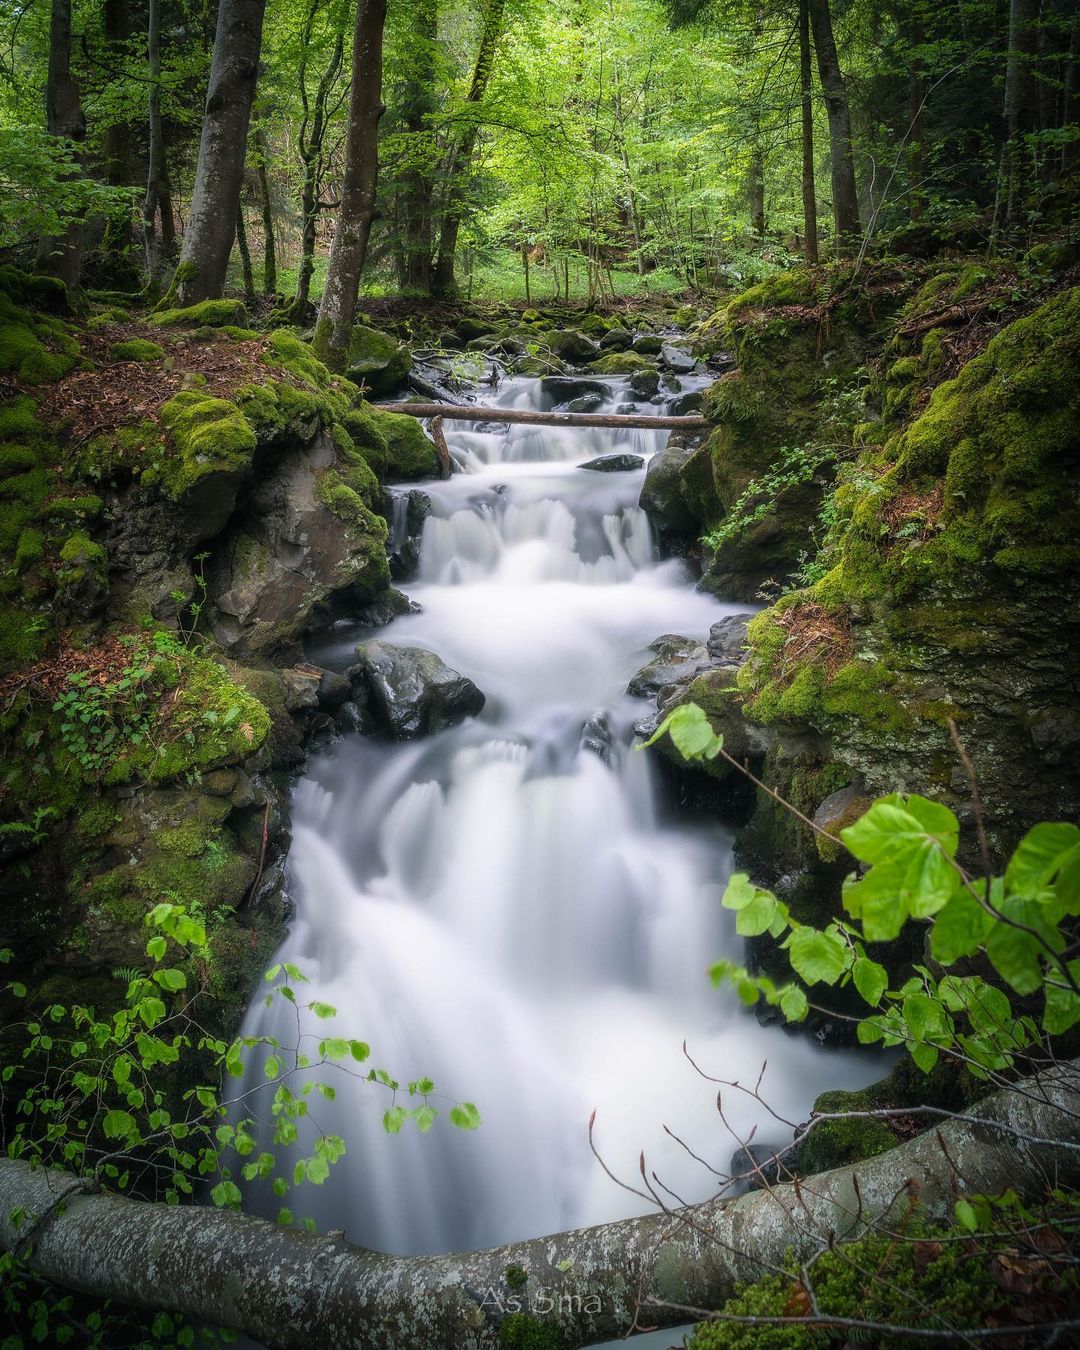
{"points": [[477, 413], [288, 1288]]}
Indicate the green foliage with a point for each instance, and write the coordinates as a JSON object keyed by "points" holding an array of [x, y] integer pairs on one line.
{"points": [[793, 466], [136, 349], [206, 314], [44, 190]]}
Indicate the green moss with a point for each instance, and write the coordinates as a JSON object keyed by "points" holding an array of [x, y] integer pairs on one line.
{"points": [[834, 1143], [795, 287], [16, 459], [299, 359], [376, 360], [136, 349], [621, 363], [211, 436], [30, 549], [79, 550], [18, 418], [520, 1331], [877, 1279], [206, 314], [393, 445], [85, 507]]}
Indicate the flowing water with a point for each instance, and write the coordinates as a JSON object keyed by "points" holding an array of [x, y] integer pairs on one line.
{"points": [[505, 906]]}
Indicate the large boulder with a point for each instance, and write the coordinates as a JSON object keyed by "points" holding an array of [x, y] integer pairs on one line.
{"points": [[572, 346], [613, 464], [377, 360], [562, 388], [395, 445], [682, 363], [675, 658], [410, 691], [662, 497], [306, 544]]}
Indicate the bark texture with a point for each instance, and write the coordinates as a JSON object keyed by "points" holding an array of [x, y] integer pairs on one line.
{"points": [[287, 1288], [442, 280], [473, 412], [62, 256], [357, 211], [153, 244], [211, 225], [806, 99], [841, 156]]}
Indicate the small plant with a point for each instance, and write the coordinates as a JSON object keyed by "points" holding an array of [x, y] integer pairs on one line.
{"points": [[99, 718]]}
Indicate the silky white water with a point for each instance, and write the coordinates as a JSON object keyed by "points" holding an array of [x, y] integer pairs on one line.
{"points": [[508, 912]]}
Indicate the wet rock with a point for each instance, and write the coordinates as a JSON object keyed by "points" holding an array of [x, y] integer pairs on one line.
{"points": [[410, 691], [562, 388], [671, 383], [625, 408], [662, 497], [644, 383], [727, 638], [596, 737], [687, 403], [301, 687], [385, 609], [408, 512], [617, 340], [677, 658], [757, 1165], [585, 403], [290, 558], [682, 363], [334, 690], [613, 463], [647, 345]]}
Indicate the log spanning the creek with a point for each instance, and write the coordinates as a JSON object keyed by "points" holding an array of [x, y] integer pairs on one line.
{"points": [[469, 412]]}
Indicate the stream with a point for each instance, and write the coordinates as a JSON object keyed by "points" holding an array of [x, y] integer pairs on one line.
{"points": [[509, 906]]}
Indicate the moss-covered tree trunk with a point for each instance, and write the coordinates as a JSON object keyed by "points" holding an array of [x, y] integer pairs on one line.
{"points": [[211, 225], [357, 211], [841, 155]]}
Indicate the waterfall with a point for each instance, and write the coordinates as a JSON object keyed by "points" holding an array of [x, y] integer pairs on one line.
{"points": [[504, 909]]}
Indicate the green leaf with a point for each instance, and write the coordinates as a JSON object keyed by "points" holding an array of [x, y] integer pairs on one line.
{"points": [[794, 1003], [1016, 954], [739, 891], [960, 929], [323, 1010], [966, 1216], [155, 948], [925, 1056], [1062, 1004], [170, 980], [931, 881], [871, 980], [119, 1125], [465, 1116], [394, 1118], [885, 833], [690, 731], [757, 917], [225, 1193], [318, 1169], [425, 1118], [359, 1050], [879, 901], [1039, 856], [817, 957]]}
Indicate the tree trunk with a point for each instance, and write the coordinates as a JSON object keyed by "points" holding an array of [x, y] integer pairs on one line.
{"points": [[245, 254], [269, 242], [915, 132], [756, 192], [152, 242], [310, 140], [1070, 95], [1019, 103], [442, 282], [62, 256], [287, 1288], [417, 193], [809, 190], [357, 209], [211, 224], [841, 154], [473, 412]]}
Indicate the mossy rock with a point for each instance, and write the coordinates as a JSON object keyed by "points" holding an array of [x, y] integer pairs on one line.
{"points": [[36, 349], [213, 440], [377, 360], [136, 349], [621, 363], [206, 314], [393, 444], [18, 419]]}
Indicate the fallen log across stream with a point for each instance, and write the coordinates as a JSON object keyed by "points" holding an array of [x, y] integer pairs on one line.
{"points": [[477, 413]]}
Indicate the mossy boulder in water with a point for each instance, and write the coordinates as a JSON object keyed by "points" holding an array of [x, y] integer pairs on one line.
{"points": [[393, 444], [411, 692], [377, 361], [621, 363]]}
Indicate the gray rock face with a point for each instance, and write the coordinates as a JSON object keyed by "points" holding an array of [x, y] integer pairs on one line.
{"points": [[562, 388], [616, 340], [647, 345], [572, 346], [596, 737], [662, 497], [584, 403], [410, 691], [687, 403], [682, 363], [677, 658], [728, 638], [613, 463], [290, 559]]}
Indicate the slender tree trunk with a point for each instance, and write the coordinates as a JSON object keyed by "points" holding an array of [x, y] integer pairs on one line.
{"points": [[245, 253], [1070, 95], [311, 138], [756, 192], [443, 276], [358, 190], [916, 99], [1019, 103], [211, 224], [418, 187], [290, 1289], [62, 256], [266, 198], [155, 148], [806, 87], [841, 154]]}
